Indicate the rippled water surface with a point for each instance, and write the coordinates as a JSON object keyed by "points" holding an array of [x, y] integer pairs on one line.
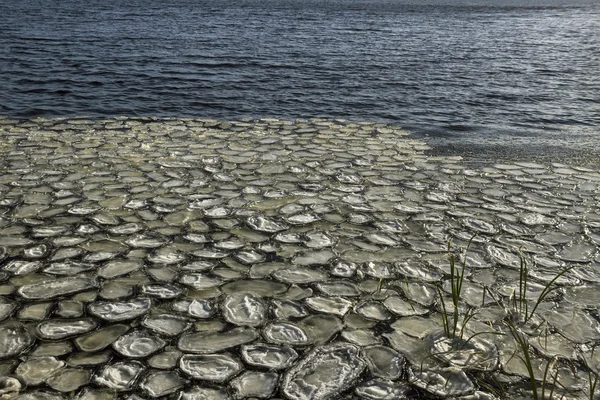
{"points": [[515, 75]]}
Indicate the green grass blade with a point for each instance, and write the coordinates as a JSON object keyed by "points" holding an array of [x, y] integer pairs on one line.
{"points": [[522, 343], [468, 315], [549, 366], [445, 320], [548, 289]]}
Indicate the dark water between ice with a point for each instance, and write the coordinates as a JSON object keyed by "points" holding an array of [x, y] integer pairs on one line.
{"points": [[515, 76]]}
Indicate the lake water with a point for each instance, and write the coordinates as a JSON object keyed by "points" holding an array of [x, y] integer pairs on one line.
{"points": [[513, 78]]}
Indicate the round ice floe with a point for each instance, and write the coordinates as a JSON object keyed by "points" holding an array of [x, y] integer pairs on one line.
{"points": [[574, 324], [22, 267], [474, 354], [329, 305], [254, 384], [480, 226], [200, 281], [578, 252], [339, 288], [534, 219], [211, 367], [313, 257], [422, 293], [381, 239], [126, 229], [427, 246], [418, 271], [269, 356], [359, 218], [318, 240], [415, 326], [115, 268], [409, 209], [442, 382], [37, 251], [325, 371], [119, 376], [257, 287], [210, 254], [361, 337], [320, 328], [120, 310], [285, 309], [162, 383], [249, 257], [503, 257], [37, 370], [69, 379], [166, 324], [289, 237], [372, 310], [344, 269], [402, 307], [67, 253], [101, 338], [55, 329], [217, 212], [285, 333], [382, 390], [69, 268], [263, 224], [138, 344], [198, 393], [56, 288], [6, 309], [161, 291], [200, 309], [197, 266], [9, 387], [166, 256], [523, 245], [384, 362], [302, 219], [299, 275], [243, 309], [209, 342], [474, 259], [14, 338]]}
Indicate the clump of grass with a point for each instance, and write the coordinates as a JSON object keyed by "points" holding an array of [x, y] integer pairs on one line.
{"points": [[516, 316], [457, 277], [521, 314], [520, 304], [523, 345]]}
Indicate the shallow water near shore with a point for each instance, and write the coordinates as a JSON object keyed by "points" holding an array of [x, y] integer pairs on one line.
{"points": [[201, 259]]}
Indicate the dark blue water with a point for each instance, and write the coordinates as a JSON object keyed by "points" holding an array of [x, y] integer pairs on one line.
{"points": [[524, 74]]}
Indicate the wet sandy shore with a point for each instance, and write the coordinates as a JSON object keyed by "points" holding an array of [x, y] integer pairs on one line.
{"points": [[200, 259]]}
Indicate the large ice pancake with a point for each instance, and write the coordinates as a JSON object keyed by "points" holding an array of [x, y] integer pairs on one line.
{"points": [[211, 342], [56, 288], [60, 329], [210, 367], [323, 372], [120, 310], [14, 338], [243, 309]]}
